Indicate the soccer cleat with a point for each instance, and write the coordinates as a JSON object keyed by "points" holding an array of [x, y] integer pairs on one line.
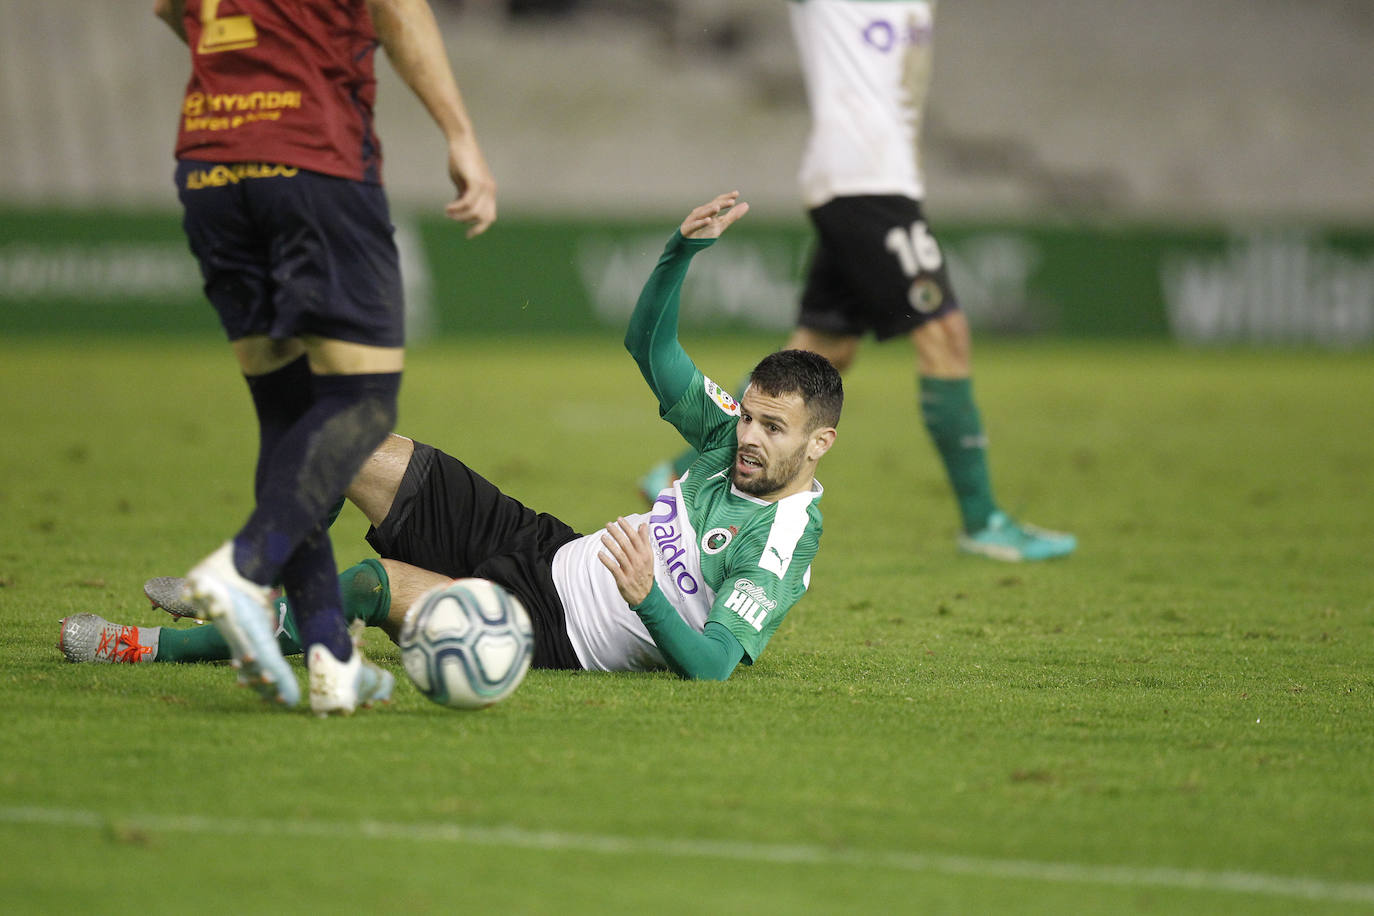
{"points": [[1012, 542], [165, 592], [659, 478], [239, 609], [341, 687], [92, 638]]}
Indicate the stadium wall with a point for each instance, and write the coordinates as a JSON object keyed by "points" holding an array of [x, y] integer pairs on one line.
{"points": [[73, 272], [1195, 168]]}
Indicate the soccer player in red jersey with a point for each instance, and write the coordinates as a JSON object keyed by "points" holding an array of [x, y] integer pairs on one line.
{"points": [[279, 175]]}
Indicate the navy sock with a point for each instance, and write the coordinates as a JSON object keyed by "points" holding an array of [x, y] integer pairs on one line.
{"points": [[311, 579], [313, 462], [281, 398]]}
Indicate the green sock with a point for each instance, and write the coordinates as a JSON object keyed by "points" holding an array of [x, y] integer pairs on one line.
{"points": [[366, 596], [951, 418], [366, 592], [203, 643]]}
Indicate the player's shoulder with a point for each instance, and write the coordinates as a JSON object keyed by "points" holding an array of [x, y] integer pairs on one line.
{"points": [[719, 396], [791, 520]]}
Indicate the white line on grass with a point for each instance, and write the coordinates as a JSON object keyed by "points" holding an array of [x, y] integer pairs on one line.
{"points": [[1053, 872]]}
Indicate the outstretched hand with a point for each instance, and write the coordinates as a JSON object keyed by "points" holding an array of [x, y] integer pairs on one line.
{"points": [[710, 220]]}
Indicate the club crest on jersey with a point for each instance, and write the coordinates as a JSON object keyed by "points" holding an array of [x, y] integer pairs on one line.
{"points": [[722, 398], [925, 295], [717, 539]]}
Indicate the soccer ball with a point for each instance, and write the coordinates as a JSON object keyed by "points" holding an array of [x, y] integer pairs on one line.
{"points": [[467, 644]]}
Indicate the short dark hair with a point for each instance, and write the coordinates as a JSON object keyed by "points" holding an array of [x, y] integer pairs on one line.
{"points": [[810, 374]]}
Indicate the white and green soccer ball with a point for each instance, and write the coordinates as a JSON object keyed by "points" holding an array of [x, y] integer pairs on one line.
{"points": [[467, 644]]}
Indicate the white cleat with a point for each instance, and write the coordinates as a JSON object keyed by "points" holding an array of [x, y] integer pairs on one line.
{"points": [[240, 610], [341, 687]]}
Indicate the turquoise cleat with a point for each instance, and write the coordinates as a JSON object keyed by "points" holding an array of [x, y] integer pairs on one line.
{"points": [[1011, 542]]}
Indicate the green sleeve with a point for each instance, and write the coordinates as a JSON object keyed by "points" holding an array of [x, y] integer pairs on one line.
{"points": [[651, 336], [709, 655], [752, 601]]}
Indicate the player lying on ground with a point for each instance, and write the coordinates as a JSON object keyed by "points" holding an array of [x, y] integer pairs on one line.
{"points": [[697, 584]]}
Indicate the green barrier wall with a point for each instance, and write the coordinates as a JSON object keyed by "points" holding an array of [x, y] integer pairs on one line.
{"points": [[100, 272]]}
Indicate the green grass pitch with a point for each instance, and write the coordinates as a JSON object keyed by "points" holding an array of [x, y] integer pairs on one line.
{"points": [[1178, 719]]}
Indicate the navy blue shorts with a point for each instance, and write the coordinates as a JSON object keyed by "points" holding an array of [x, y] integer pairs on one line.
{"points": [[449, 519], [286, 252], [876, 269]]}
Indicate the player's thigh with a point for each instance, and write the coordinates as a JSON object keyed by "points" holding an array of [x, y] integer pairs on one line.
{"points": [[344, 357], [877, 268], [839, 349], [448, 518], [234, 255], [373, 489], [335, 270], [258, 354]]}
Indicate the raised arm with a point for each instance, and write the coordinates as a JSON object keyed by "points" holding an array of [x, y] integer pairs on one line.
{"points": [[409, 33], [652, 335]]}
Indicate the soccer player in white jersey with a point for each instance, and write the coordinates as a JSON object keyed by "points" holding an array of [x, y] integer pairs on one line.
{"points": [[877, 267], [697, 584]]}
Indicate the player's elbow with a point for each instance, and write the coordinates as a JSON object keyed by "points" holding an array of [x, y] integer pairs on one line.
{"points": [[713, 668]]}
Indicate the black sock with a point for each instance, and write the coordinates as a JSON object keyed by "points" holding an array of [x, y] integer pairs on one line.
{"points": [[310, 578], [313, 462], [281, 398]]}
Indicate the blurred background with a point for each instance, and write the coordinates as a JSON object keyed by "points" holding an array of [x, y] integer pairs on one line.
{"points": [[1200, 169]]}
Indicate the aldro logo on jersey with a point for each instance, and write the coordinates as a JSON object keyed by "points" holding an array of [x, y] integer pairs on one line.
{"points": [[751, 603]]}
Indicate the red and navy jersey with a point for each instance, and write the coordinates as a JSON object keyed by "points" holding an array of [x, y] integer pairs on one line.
{"points": [[282, 81]]}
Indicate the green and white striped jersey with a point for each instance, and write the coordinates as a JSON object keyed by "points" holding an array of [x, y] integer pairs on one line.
{"points": [[720, 554]]}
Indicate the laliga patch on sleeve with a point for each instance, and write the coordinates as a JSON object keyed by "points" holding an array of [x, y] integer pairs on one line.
{"points": [[722, 397]]}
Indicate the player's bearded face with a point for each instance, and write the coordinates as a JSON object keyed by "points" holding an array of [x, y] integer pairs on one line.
{"points": [[773, 474], [771, 444]]}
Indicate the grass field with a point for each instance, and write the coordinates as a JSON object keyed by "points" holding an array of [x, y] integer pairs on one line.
{"points": [[1178, 719]]}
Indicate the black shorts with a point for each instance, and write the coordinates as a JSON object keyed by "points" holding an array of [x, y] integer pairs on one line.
{"points": [[286, 252], [448, 519], [876, 268]]}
